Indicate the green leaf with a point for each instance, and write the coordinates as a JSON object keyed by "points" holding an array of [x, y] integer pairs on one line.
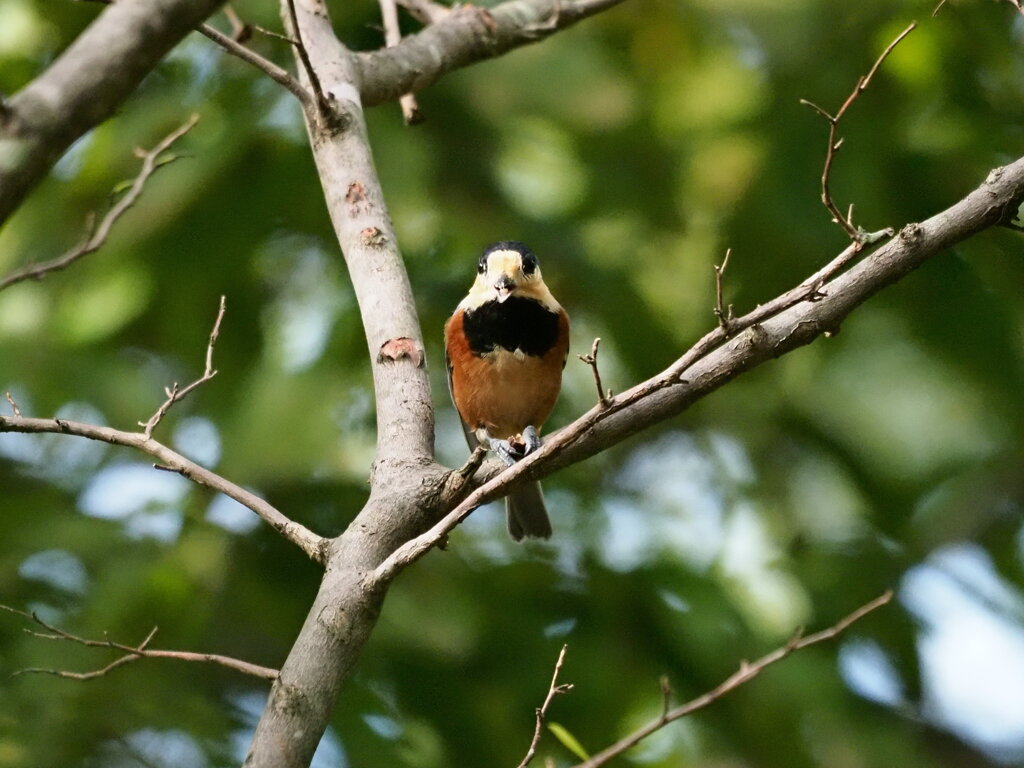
{"points": [[568, 740]]}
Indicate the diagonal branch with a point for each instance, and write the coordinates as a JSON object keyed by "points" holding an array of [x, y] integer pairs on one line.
{"points": [[152, 160], [747, 672], [269, 68], [555, 689], [85, 86], [173, 393], [467, 34], [313, 545], [131, 653], [795, 318]]}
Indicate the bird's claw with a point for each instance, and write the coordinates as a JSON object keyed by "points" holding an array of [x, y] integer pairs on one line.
{"points": [[520, 446]]}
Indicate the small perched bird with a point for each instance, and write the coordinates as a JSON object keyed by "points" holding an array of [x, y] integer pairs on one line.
{"points": [[505, 347]]}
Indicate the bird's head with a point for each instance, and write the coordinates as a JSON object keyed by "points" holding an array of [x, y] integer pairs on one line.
{"points": [[506, 269]]}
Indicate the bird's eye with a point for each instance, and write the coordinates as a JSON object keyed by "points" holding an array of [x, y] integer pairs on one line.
{"points": [[529, 264], [481, 267]]}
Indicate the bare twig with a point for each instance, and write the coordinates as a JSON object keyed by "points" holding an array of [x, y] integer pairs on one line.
{"points": [[14, 406], [323, 107], [603, 398], [96, 236], [313, 545], [723, 314], [1018, 5], [173, 393], [269, 68], [555, 689], [938, 8], [834, 142], [131, 653], [426, 11], [746, 673], [393, 36]]}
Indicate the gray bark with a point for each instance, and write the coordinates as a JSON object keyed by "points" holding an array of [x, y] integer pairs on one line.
{"points": [[84, 86]]}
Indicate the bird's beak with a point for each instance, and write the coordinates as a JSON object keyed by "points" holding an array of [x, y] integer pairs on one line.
{"points": [[504, 287]]}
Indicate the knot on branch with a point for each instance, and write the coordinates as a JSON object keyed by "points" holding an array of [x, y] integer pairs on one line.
{"points": [[397, 348], [912, 234]]}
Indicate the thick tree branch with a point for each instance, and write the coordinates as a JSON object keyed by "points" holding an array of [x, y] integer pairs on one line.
{"points": [[84, 86], [131, 653], [747, 672], [97, 235], [816, 307], [310, 543], [468, 34]]}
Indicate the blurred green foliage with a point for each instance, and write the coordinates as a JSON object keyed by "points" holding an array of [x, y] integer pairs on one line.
{"points": [[629, 152]]}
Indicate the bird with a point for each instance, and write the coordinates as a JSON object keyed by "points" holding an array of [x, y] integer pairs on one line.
{"points": [[505, 347]]}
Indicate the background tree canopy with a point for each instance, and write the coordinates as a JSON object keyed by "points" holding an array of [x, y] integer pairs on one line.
{"points": [[629, 152]]}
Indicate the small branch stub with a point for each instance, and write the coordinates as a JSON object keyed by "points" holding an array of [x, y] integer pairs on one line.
{"points": [[395, 349], [724, 315], [604, 398]]}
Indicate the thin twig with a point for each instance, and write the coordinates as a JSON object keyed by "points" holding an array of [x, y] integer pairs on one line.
{"points": [[723, 314], [131, 653], [323, 107], [555, 689], [746, 673], [393, 36], [14, 406], [602, 397], [97, 236], [173, 393], [269, 68], [938, 8], [834, 142]]}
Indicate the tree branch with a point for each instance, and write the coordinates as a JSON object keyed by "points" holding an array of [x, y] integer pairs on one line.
{"points": [[173, 393], [746, 673], [131, 653], [310, 543], [393, 36], [97, 236], [553, 690], [834, 142], [466, 35], [269, 68], [85, 85], [815, 307]]}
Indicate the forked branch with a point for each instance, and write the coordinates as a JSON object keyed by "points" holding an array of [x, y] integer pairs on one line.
{"points": [[129, 653], [555, 689], [173, 393], [97, 234], [834, 142], [747, 672]]}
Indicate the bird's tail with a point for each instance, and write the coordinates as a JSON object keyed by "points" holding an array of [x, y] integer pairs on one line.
{"points": [[527, 515]]}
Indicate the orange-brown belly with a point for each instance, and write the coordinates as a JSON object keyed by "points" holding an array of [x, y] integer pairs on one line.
{"points": [[504, 393]]}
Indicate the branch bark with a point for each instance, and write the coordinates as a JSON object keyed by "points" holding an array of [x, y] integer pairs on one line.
{"points": [[310, 543], [815, 307], [467, 35], [84, 86]]}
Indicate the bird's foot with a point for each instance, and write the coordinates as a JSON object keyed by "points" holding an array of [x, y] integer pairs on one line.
{"points": [[517, 447]]}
